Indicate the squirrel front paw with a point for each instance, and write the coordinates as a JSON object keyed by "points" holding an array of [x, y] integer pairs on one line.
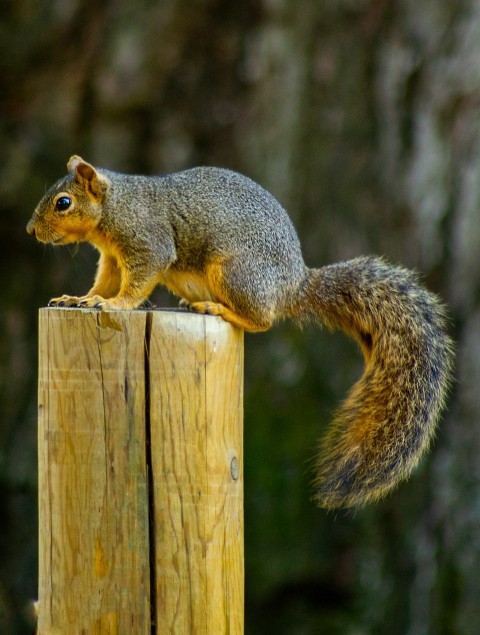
{"points": [[94, 302], [82, 302], [65, 300], [117, 303]]}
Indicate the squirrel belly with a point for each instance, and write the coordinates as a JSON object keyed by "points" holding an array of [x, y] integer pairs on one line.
{"points": [[388, 420], [227, 247]]}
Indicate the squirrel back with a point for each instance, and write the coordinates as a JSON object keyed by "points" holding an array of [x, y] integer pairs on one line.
{"points": [[227, 247]]}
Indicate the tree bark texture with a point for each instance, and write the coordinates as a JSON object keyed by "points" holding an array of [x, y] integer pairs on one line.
{"points": [[362, 117]]}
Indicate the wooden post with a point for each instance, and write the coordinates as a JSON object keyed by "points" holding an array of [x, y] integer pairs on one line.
{"points": [[140, 474]]}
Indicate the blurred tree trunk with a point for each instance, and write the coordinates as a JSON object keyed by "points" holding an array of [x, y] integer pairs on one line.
{"points": [[362, 117]]}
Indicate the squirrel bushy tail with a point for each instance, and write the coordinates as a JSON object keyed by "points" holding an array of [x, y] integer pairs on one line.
{"points": [[388, 420]]}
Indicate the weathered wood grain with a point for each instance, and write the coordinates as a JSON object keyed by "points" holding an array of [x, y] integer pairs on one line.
{"points": [[140, 474], [94, 563], [196, 409]]}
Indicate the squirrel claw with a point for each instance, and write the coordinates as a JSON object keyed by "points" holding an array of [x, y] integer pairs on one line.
{"points": [[92, 302], [64, 300]]}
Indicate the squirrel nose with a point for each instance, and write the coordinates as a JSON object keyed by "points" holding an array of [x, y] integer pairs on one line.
{"points": [[31, 228]]}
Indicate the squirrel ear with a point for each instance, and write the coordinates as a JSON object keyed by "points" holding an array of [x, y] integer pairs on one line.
{"points": [[73, 161], [86, 175]]}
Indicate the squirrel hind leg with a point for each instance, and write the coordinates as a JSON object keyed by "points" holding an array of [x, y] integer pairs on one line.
{"points": [[240, 321], [238, 294]]}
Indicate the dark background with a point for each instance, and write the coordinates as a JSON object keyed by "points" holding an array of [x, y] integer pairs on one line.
{"points": [[362, 117]]}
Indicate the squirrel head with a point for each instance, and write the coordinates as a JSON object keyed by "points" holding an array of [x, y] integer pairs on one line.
{"points": [[71, 209]]}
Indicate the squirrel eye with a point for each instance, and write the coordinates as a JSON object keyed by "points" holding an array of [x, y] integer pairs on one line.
{"points": [[63, 203]]}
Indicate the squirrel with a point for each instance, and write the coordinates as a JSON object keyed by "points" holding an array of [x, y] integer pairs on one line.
{"points": [[228, 248]]}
